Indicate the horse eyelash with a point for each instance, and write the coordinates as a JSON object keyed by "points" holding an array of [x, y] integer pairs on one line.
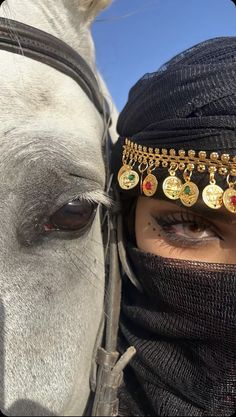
{"points": [[96, 197]]}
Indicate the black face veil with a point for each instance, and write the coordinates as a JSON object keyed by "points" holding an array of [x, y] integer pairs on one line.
{"points": [[183, 321]]}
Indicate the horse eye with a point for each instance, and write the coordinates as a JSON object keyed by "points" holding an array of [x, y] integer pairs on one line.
{"points": [[75, 215]]}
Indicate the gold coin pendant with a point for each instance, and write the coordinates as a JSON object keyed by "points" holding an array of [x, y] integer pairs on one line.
{"points": [[213, 196], [128, 180], [123, 169], [229, 199], [172, 187], [189, 194], [149, 186]]}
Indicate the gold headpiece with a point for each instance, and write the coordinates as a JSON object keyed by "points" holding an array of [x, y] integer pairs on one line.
{"points": [[140, 162]]}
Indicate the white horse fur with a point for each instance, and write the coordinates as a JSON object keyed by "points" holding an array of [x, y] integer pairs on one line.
{"points": [[51, 288]]}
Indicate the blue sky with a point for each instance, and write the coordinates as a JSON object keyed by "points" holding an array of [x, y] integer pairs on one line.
{"points": [[133, 37]]}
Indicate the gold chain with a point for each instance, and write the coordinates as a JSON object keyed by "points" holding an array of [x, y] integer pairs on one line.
{"points": [[139, 161], [162, 157]]}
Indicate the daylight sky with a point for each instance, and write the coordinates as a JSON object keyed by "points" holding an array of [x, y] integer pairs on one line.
{"points": [[133, 37]]}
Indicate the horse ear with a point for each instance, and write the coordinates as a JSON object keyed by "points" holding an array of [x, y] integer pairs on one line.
{"points": [[92, 7]]}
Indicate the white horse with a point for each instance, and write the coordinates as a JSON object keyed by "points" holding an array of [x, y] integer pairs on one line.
{"points": [[51, 282]]}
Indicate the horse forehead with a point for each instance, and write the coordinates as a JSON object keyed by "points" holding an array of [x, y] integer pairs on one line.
{"points": [[34, 86], [35, 97]]}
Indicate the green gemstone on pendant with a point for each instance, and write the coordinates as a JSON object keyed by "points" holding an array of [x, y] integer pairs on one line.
{"points": [[131, 177], [187, 190]]}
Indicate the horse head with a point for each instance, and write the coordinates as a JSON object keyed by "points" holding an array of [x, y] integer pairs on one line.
{"points": [[51, 249]]}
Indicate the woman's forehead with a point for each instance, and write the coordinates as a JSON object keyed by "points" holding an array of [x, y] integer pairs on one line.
{"points": [[221, 215]]}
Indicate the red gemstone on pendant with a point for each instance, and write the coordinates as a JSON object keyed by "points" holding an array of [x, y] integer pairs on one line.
{"points": [[233, 200], [148, 185]]}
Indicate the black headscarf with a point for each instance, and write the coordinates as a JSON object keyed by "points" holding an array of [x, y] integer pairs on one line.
{"points": [[186, 350], [189, 102]]}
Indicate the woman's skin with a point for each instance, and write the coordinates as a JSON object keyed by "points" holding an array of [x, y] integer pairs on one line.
{"points": [[197, 234]]}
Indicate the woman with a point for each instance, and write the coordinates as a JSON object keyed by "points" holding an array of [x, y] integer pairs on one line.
{"points": [[176, 176]]}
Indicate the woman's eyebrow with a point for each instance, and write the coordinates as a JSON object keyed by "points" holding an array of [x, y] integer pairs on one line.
{"points": [[221, 214]]}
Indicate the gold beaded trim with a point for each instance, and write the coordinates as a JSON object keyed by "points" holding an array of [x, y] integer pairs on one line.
{"points": [[140, 164]]}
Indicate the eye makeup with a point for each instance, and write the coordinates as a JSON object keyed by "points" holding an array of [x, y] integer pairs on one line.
{"points": [[184, 229]]}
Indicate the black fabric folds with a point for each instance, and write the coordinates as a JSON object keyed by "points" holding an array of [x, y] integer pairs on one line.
{"points": [[184, 329], [183, 324], [190, 102]]}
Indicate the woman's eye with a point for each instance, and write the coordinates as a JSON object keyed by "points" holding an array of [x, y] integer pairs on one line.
{"points": [[75, 215], [193, 231], [185, 230]]}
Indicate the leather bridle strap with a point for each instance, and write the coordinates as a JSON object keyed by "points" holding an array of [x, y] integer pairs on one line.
{"points": [[33, 43]]}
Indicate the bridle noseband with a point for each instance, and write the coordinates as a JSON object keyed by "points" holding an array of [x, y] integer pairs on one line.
{"points": [[36, 44]]}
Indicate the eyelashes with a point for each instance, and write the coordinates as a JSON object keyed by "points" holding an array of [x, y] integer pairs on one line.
{"points": [[185, 230]]}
